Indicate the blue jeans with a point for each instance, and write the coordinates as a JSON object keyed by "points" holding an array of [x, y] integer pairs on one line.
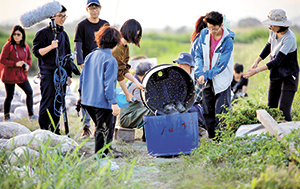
{"points": [[85, 117], [214, 104], [198, 108]]}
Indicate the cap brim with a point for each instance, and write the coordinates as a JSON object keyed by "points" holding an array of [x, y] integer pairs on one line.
{"points": [[92, 3], [180, 62], [277, 23]]}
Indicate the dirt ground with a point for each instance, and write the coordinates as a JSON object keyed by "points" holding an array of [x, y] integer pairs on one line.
{"points": [[147, 168]]}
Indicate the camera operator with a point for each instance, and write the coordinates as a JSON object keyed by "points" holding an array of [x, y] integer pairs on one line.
{"points": [[44, 48]]}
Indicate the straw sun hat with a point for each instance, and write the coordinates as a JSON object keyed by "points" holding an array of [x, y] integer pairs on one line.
{"points": [[277, 17]]}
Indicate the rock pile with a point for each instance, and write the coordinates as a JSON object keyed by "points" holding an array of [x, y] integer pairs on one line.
{"points": [[18, 107], [20, 142]]}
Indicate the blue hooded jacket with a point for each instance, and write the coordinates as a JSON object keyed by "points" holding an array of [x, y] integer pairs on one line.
{"points": [[222, 62]]}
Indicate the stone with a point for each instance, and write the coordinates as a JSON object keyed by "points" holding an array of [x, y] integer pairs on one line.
{"points": [[37, 99], [124, 134], [39, 138], [10, 129], [14, 105], [22, 153]]}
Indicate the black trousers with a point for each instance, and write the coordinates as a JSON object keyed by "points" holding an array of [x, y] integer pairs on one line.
{"points": [[103, 120], [10, 89], [47, 103], [214, 104], [110, 136], [282, 92]]}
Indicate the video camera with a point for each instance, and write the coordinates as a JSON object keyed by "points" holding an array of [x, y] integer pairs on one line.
{"points": [[68, 64]]}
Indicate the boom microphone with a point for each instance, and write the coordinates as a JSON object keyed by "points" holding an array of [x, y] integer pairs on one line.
{"points": [[39, 14]]}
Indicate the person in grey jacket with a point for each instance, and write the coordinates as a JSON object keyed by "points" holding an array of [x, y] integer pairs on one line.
{"points": [[214, 69], [284, 68], [98, 84]]}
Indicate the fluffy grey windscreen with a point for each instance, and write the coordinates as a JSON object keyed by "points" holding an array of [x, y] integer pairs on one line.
{"points": [[39, 14]]}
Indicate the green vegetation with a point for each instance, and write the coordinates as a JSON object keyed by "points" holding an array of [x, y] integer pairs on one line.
{"points": [[235, 162]]}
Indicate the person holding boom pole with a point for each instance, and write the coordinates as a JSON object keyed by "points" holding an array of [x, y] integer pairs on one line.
{"points": [[44, 48]]}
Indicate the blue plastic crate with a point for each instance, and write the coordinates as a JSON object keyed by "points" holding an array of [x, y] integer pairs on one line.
{"points": [[171, 134]]}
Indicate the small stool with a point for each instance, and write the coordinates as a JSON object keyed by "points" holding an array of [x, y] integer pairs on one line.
{"points": [[124, 134]]}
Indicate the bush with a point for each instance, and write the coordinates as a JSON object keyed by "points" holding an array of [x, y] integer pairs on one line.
{"points": [[244, 113]]}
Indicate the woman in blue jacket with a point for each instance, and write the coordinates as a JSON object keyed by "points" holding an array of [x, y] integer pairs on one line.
{"points": [[98, 84]]}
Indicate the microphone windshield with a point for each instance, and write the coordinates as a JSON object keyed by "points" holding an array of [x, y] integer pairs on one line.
{"points": [[39, 14]]}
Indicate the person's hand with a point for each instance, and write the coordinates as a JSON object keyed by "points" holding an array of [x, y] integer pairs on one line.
{"points": [[26, 68], [255, 64], [54, 44], [250, 73], [69, 81], [20, 63], [139, 86], [115, 109], [201, 80], [129, 97]]}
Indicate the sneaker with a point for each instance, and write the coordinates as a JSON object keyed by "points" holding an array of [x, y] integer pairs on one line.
{"points": [[86, 132], [9, 120], [112, 165], [114, 154], [95, 131], [33, 117]]}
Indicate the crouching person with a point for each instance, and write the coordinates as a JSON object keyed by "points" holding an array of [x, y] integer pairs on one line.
{"points": [[185, 61], [132, 115], [98, 84]]}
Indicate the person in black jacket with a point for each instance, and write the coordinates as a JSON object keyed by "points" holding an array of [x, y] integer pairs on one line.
{"points": [[44, 48], [84, 44]]}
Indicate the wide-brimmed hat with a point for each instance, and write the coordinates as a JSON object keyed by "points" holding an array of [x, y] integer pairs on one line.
{"points": [[277, 17], [89, 2], [185, 58]]}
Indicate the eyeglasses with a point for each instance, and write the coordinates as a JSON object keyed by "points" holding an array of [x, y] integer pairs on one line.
{"points": [[213, 30], [94, 8], [17, 34], [62, 16]]}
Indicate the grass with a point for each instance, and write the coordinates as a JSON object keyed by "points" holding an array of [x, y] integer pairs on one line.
{"points": [[249, 162]]}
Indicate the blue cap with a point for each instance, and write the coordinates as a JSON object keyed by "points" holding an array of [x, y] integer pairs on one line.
{"points": [[89, 2], [185, 58]]}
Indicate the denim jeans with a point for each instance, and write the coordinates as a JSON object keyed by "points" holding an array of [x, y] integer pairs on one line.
{"points": [[85, 117]]}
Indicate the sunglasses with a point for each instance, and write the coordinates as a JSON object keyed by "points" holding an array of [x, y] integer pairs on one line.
{"points": [[17, 34]]}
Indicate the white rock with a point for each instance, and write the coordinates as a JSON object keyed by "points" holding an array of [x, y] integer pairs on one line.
{"points": [[2, 142], [22, 154], [26, 140], [10, 129], [14, 105], [44, 136], [2, 93], [71, 110], [36, 89], [37, 99], [21, 111]]}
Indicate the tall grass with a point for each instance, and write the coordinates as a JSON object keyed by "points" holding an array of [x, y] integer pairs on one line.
{"points": [[55, 170], [233, 163]]}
